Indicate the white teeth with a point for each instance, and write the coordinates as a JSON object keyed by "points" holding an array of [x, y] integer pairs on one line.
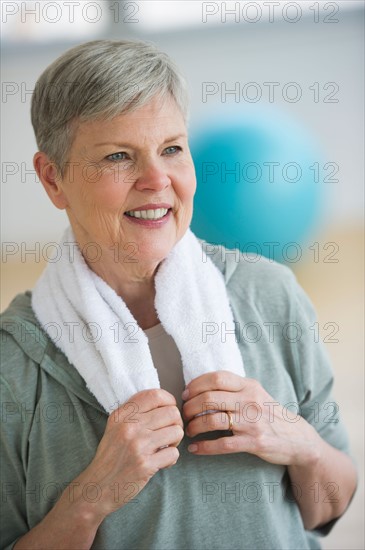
{"points": [[148, 214]]}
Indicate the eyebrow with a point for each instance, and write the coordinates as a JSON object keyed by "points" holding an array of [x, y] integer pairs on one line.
{"points": [[132, 146]]}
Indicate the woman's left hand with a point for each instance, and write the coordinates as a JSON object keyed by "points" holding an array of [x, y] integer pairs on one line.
{"points": [[260, 425]]}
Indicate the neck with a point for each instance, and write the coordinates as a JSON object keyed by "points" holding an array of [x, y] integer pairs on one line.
{"points": [[134, 282], [136, 289]]}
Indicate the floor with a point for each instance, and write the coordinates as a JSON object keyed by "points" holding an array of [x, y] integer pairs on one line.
{"points": [[337, 291]]}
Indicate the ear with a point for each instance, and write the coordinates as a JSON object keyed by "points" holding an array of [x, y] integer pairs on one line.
{"points": [[51, 179]]}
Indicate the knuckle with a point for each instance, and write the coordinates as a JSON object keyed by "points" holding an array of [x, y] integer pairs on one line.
{"points": [[260, 442], [179, 432], [137, 397], [141, 463], [219, 378], [135, 447], [129, 431], [174, 414], [158, 396], [174, 454], [167, 396], [153, 395], [228, 444], [209, 399]]}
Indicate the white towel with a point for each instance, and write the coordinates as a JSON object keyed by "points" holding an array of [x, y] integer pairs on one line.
{"points": [[100, 337]]}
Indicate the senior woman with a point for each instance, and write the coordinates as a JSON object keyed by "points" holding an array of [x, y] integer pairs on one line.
{"points": [[134, 414]]}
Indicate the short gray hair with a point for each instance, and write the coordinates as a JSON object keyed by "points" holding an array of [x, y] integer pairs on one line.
{"points": [[99, 80]]}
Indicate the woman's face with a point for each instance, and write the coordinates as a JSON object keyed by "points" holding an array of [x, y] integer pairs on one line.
{"points": [[127, 169]]}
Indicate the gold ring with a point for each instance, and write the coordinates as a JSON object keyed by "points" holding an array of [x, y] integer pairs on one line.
{"points": [[230, 427]]}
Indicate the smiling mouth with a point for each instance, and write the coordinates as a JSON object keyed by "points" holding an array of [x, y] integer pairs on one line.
{"points": [[150, 214]]}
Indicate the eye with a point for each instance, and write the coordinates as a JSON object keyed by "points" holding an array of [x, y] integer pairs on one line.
{"points": [[117, 156], [172, 150]]}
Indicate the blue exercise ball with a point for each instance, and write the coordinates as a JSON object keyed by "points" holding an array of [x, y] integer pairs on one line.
{"points": [[258, 181]]}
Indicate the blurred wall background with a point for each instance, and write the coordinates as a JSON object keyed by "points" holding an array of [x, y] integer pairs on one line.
{"points": [[318, 46]]}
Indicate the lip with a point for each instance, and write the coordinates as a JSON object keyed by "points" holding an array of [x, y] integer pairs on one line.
{"points": [[151, 206]]}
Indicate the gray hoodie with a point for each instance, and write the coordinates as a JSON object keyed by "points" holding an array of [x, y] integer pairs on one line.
{"points": [[51, 426]]}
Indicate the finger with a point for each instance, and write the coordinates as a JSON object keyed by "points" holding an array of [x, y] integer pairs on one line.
{"points": [[212, 400], [162, 417], [170, 436], [217, 380], [208, 423], [223, 445], [141, 402], [148, 400], [165, 458]]}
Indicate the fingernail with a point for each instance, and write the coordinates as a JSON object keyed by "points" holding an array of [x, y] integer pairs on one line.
{"points": [[185, 394], [192, 448]]}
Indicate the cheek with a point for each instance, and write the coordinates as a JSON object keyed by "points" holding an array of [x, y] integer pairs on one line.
{"points": [[187, 185], [105, 192]]}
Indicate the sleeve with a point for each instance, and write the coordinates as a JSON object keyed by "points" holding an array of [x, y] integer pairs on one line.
{"points": [[12, 453], [313, 366]]}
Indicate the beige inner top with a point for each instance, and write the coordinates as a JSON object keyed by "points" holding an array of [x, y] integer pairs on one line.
{"points": [[167, 361]]}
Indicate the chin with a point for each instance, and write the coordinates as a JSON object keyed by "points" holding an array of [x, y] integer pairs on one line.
{"points": [[155, 249]]}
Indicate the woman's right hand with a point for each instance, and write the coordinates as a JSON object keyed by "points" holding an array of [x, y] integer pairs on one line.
{"points": [[140, 438]]}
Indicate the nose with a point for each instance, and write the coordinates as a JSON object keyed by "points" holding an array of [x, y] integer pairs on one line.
{"points": [[152, 175]]}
